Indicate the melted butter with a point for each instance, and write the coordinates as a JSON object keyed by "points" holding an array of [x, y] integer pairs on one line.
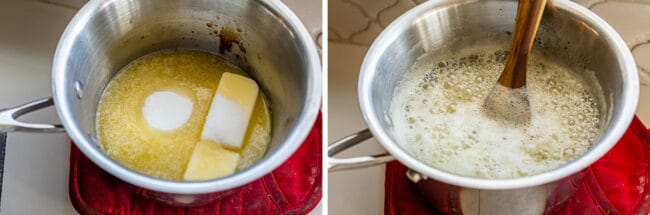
{"points": [[125, 136], [438, 117]]}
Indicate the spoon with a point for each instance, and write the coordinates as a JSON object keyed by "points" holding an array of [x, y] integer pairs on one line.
{"points": [[508, 99]]}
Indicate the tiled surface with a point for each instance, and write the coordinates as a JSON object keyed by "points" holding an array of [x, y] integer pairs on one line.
{"points": [[36, 169], [353, 25]]}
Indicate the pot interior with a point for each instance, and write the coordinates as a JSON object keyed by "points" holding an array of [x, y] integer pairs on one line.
{"points": [[258, 37]]}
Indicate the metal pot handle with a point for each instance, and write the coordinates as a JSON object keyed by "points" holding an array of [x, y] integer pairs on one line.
{"points": [[335, 164], [9, 118]]}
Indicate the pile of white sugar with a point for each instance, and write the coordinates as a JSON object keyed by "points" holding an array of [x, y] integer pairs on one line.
{"points": [[438, 117], [166, 110]]}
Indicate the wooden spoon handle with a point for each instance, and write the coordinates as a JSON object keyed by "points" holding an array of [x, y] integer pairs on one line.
{"points": [[529, 14]]}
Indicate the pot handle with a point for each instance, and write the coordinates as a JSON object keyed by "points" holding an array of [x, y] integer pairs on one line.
{"points": [[9, 118], [335, 164]]}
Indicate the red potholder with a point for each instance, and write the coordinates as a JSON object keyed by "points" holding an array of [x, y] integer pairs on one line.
{"points": [[293, 188], [618, 183]]}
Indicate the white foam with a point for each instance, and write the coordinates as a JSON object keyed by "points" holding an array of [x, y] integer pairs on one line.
{"points": [[166, 110], [438, 117]]}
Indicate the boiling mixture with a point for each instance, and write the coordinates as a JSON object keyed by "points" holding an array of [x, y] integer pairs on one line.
{"points": [[438, 118]]}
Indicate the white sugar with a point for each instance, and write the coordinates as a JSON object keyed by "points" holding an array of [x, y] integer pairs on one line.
{"points": [[166, 110]]}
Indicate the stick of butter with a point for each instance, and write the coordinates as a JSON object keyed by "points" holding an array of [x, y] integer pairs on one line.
{"points": [[225, 125], [209, 161], [230, 111]]}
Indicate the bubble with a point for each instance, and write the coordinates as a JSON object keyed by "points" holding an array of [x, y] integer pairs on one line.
{"points": [[551, 83], [451, 109], [447, 85], [479, 79], [568, 153], [411, 120], [555, 90]]}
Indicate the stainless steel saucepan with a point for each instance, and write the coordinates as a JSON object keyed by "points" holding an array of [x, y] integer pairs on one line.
{"points": [[569, 34], [105, 35]]}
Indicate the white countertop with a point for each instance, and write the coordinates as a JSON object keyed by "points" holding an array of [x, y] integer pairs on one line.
{"points": [[353, 25], [36, 166]]}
